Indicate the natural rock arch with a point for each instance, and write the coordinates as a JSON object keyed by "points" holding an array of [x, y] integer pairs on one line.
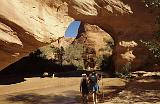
{"points": [[124, 20]]}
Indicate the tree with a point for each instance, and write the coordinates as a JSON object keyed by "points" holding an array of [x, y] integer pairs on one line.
{"points": [[73, 55], [152, 3], [154, 44]]}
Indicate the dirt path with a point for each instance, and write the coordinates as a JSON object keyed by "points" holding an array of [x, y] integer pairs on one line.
{"points": [[40, 91], [66, 91], [47, 91]]}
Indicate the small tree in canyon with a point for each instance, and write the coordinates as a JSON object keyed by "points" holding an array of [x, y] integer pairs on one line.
{"points": [[73, 55], [154, 44]]}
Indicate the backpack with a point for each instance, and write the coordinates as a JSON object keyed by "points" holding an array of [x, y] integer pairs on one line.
{"points": [[93, 78]]}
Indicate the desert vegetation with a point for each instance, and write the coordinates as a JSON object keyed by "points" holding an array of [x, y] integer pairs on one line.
{"points": [[78, 55], [153, 45]]}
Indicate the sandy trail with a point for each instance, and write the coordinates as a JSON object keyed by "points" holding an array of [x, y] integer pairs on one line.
{"points": [[66, 91], [40, 91], [46, 91]]}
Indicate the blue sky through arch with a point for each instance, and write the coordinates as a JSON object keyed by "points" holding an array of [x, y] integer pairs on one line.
{"points": [[72, 30]]}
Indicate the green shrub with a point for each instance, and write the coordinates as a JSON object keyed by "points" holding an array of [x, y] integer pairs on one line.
{"points": [[73, 55], [154, 44], [126, 71]]}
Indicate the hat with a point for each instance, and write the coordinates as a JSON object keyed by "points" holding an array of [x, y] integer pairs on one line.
{"points": [[83, 74]]}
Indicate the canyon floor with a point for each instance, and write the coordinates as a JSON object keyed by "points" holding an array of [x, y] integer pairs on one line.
{"points": [[66, 91]]}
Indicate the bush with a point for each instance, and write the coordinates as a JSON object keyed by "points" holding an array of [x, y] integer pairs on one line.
{"points": [[153, 46], [152, 3], [73, 55], [125, 73]]}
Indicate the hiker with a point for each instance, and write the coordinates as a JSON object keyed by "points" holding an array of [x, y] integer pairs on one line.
{"points": [[93, 86], [84, 88], [93, 82]]}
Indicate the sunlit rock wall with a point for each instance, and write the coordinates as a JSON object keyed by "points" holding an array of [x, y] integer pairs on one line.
{"points": [[28, 24]]}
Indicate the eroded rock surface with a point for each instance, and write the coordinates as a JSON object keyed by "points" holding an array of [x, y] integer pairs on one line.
{"points": [[93, 37], [28, 24], [125, 21]]}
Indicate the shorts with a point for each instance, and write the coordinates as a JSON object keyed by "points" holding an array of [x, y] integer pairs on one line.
{"points": [[94, 87]]}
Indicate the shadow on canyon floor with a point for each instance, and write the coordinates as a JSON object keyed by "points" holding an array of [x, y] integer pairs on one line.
{"points": [[28, 67], [7, 80], [32, 98]]}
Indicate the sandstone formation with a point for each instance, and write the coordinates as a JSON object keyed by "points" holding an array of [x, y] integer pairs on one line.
{"points": [[97, 45], [94, 37], [28, 24], [124, 20]]}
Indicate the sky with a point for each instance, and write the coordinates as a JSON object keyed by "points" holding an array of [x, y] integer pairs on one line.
{"points": [[72, 29]]}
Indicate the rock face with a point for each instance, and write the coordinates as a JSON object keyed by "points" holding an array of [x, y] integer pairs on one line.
{"points": [[124, 20], [97, 45], [93, 37], [28, 24]]}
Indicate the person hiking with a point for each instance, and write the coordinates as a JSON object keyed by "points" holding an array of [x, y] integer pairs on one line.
{"points": [[84, 88], [93, 85], [93, 80]]}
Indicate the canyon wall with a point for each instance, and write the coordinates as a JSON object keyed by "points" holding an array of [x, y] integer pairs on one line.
{"points": [[126, 21], [28, 24]]}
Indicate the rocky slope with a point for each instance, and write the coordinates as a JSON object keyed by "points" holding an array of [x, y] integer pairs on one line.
{"points": [[26, 25]]}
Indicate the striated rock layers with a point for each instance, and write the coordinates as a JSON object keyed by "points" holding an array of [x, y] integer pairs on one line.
{"points": [[28, 24]]}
